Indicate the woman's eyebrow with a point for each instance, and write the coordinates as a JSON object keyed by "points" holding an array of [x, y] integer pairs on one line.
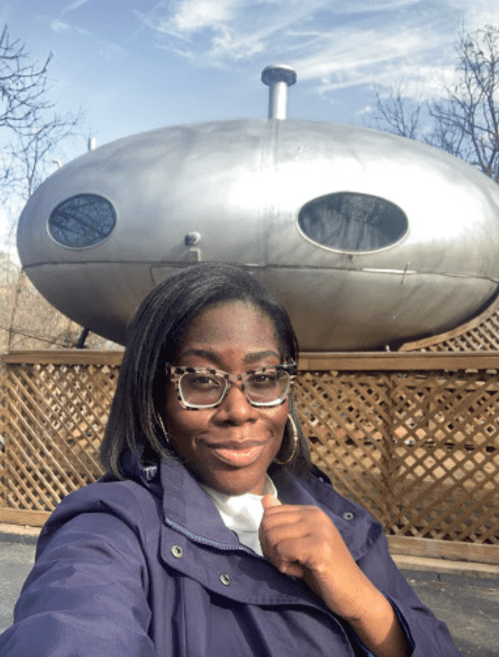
{"points": [[254, 356], [202, 353], [250, 357]]}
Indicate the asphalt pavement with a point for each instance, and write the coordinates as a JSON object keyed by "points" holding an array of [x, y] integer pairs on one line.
{"points": [[469, 606], [16, 560]]}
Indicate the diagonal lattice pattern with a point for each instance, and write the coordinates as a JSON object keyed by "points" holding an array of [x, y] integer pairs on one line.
{"points": [[52, 431], [342, 439], [419, 448]]}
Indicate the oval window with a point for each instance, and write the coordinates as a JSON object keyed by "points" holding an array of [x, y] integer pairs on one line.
{"points": [[347, 221], [82, 220]]}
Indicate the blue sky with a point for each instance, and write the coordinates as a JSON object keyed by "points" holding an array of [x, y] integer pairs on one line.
{"points": [[135, 65]]}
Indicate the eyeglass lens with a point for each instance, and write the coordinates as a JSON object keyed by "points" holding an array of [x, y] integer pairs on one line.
{"points": [[260, 387]]}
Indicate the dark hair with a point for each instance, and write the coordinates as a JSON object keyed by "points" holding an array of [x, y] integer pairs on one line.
{"points": [[154, 335]]}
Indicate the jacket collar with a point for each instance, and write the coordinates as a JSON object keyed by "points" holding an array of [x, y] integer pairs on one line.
{"points": [[195, 542], [189, 510]]}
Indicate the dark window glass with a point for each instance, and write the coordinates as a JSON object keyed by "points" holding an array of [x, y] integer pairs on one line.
{"points": [[82, 220], [352, 222]]}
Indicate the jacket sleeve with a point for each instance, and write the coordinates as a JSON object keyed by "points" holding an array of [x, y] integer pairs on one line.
{"points": [[87, 592], [426, 635]]}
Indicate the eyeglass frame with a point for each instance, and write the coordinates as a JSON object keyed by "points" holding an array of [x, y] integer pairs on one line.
{"points": [[176, 372]]}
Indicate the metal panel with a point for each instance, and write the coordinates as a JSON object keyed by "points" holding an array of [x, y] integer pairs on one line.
{"points": [[234, 190]]}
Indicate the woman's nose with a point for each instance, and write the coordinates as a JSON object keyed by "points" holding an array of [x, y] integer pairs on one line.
{"points": [[236, 407]]}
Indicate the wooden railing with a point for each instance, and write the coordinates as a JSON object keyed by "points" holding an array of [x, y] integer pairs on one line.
{"points": [[412, 437]]}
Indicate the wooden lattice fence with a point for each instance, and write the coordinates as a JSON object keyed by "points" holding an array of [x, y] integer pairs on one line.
{"points": [[414, 438], [54, 409]]}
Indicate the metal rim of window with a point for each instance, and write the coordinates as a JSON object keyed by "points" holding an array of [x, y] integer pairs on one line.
{"points": [[352, 222], [82, 221]]}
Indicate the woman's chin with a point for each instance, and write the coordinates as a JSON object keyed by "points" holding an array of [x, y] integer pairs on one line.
{"points": [[236, 481]]}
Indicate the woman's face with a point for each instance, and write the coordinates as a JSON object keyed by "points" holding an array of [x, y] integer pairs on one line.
{"points": [[228, 448]]}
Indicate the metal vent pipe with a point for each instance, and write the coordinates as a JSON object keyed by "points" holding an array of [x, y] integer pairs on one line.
{"points": [[278, 77]]}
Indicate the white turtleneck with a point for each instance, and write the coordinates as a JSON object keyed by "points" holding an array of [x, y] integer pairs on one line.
{"points": [[243, 513]]}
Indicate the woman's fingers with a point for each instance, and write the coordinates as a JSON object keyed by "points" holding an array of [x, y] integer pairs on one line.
{"points": [[296, 534], [269, 501], [302, 541]]}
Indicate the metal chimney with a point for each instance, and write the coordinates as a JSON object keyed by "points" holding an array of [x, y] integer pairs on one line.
{"points": [[278, 77]]}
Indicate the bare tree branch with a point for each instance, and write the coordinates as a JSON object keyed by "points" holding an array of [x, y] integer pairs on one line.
{"points": [[32, 153], [30, 127], [30, 130], [394, 111], [23, 86], [465, 122]]}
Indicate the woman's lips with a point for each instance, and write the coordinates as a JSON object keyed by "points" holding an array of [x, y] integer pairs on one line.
{"points": [[237, 455]]}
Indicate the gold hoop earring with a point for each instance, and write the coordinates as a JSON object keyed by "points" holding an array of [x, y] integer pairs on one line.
{"points": [[294, 431], [166, 437]]}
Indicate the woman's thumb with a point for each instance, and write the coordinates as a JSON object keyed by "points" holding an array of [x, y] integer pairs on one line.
{"points": [[269, 500]]}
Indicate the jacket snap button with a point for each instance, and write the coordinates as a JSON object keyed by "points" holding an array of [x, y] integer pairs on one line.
{"points": [[225, 579], [348, 515], [177, 551]]}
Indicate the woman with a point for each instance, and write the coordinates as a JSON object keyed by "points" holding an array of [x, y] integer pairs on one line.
{"points": [[213, 534]]}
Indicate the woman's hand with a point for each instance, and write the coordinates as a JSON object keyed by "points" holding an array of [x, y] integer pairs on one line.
{"points": [[302, 541]]}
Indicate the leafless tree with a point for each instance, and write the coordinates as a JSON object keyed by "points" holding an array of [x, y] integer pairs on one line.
{"points": [[28, 321], [397, 113], [31, 154], [30, 131], [464, 121], [30, 128], [23, 85]]}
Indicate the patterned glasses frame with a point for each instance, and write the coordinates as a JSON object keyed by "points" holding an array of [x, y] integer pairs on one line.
{"points": [[176, 373]]}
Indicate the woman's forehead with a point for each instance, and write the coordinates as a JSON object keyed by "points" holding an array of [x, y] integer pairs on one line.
{"points": [[236, 325]]}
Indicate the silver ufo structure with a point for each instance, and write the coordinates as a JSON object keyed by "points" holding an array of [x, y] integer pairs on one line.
{"points": [[367, 238]]}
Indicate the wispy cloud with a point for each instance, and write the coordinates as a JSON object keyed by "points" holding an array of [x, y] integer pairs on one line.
{"points": [[108, 50], [377, 56], [74, 5], [59, 26], [111, 51], [478, 13], [333, 44], [62, 26], [194, 15]]}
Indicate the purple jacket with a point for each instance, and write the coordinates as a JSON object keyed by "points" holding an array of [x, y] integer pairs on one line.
{"points": [[145, 567]]}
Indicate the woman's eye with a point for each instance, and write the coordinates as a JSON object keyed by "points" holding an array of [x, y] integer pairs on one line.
{"points": [[263, 379], [202, 382]]}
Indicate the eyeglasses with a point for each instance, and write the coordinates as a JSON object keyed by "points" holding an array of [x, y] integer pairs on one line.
{"points": [[206, 387]]}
